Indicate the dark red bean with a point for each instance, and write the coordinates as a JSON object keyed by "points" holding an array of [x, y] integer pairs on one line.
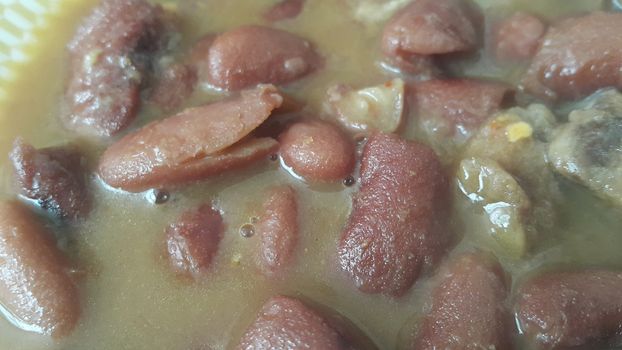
{"points": [[517, 37], [285, 9], [287, 323], [430, 27], [278, 231], [577, 57], [563, 309], [463, 103], [199, 56], [394, 229], [250, 55], [192, 241], [108, 56], [54, 178], [173, 85], [467, 309], [317, 151], [34, 285], [192, 145]]}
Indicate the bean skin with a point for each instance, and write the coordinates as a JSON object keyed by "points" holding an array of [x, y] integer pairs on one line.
{"points": [[35, 288], [468, 308], [250, 55], [564, 309], [278, 231], [54, 178], [192, 240], [192, 145], [430, 27], [394, 230], [317, 151], [109, 55]]}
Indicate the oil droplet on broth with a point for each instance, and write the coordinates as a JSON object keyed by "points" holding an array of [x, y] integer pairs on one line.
{"points": [[247, 230]]}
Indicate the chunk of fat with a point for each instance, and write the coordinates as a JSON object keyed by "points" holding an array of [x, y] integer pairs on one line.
{"points": [[378, 107], [375, 11]]}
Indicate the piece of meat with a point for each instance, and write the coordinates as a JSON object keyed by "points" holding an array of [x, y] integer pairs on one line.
{"points": [[577, 57], [109, 55], [450, 111], [588, 149], [516, 38], [374, 108], [54, 178], [395, 229], [317, 151], [192, 241], [284, 9], [467, 308], [565, 309], [252, 54], [517, 142], [35, 289], [173, 85], [194, 144], [431, 27], [278, 231], [287, 323]]}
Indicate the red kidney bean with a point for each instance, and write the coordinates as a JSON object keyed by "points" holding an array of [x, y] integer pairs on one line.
{"points": [[287, 323], [517, 37], [54, 178], [194, 144], [278, 231], [577, 57], [192, 240], [285, 9], [394, 229], [172, 86], [35, 288], [467, 308], [108, 56], [317, 151], [250, 55], [562, 309], [464, 103], [430, 27]]}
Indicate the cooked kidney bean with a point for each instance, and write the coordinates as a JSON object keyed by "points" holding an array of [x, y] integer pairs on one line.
{"points": [[429, 27], [108, 56], [192, 240], [517, 37], [285, 9], [394, 229], [278, 231], [34, 285], [317, 151], [562, 309], [252, 54], [467, 308], [193, 144], [199, 54], [287, 323], [54, 178], [173, 85], [577, 57], [450, 111], [464, 103]]}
